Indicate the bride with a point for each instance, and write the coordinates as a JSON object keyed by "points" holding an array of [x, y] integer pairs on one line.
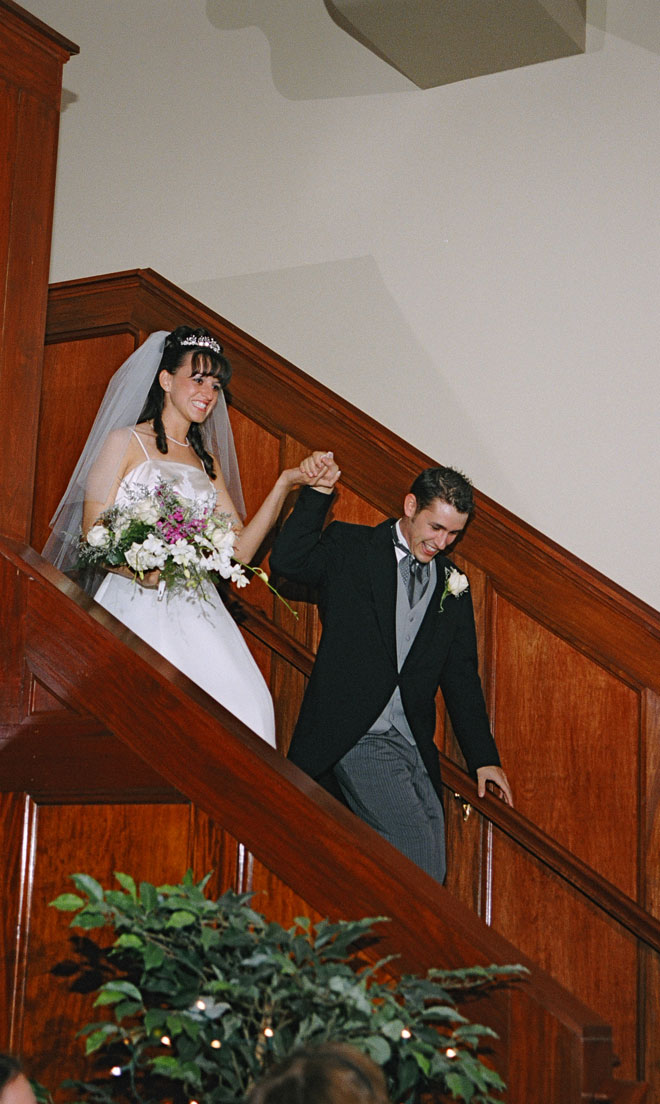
{"points": [[164, 417]]}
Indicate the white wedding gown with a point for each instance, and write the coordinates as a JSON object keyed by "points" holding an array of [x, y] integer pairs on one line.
{"points": [[199, 637]]}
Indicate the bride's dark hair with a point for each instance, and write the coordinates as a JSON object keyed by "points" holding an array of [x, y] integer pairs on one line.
{"points": [[207, 360]]}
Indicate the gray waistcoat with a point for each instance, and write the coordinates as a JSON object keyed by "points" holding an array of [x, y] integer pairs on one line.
{"points": [[407, 626]]}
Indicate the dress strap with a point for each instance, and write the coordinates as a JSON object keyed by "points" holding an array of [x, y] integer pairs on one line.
{"points": [[141, 443]]}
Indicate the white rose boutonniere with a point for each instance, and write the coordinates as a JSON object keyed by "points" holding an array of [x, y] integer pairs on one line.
{"points": [[455, 584]]}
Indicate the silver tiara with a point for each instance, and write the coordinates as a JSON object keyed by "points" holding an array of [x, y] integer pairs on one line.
{"points": [[203, 342]]}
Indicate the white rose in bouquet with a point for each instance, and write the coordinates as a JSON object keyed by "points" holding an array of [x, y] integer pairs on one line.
{"points": [[98, 536], [223, 539], [146, 510]]}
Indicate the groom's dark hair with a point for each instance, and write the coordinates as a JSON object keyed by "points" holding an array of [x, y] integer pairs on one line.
{"points": [[447, 484]]}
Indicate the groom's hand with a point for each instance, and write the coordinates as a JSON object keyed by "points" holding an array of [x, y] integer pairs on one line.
{"points": [[497, 776], [320, 471]]}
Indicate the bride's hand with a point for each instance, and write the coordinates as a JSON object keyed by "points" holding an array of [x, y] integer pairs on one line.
{"points": [[318, 470], [149, 579]]}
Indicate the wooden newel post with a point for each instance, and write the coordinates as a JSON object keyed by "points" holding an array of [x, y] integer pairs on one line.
{"points": [[31, 60]]}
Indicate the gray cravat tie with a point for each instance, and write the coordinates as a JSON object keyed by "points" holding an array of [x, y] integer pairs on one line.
{"points": [[414, 574]]}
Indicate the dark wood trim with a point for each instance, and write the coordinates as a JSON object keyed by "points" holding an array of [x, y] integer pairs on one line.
{"points": [[558, 859], [82, 656], [555, 857], [576, 601], [64, 45]]}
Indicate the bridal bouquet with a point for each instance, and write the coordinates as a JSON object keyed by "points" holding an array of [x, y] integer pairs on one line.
{"points": [[158, 529]]}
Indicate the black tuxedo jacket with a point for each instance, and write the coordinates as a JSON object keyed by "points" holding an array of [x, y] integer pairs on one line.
{"points": [[354, 569]]}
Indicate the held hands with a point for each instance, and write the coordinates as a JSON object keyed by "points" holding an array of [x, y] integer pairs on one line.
{"points": [[318, 471], [497, 776]]}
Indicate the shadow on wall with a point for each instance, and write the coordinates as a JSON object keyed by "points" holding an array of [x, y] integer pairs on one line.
{"points": [[637, 23], [339, 322], [311, 58]]}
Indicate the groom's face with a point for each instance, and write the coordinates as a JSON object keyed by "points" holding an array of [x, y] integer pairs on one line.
{"points": [[431, 530]]}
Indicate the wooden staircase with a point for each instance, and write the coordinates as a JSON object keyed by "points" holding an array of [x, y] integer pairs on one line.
{"points": [[111, 760]]}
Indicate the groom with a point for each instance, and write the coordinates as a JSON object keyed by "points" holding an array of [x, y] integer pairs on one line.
{"points": [[397, 624]]}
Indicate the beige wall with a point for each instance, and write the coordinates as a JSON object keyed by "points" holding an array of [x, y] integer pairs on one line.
{"points": [[477, 266]]}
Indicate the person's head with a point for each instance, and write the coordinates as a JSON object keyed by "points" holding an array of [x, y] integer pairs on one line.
{"points": [[435, 511], [14, 1085], [331, 1073], [188, 380]]}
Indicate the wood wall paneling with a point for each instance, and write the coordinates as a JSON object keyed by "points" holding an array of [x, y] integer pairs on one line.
{"points": [[649, 980], [570, 938], [75, 376], [83, 664], [568, 728], [531, 624], [151, 842], [13, 703], [16, 834]]}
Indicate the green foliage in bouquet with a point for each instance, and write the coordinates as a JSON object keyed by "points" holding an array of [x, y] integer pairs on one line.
{"points": [[206, 994]]}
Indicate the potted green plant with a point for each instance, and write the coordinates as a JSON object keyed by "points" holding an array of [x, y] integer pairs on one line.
{"points": [[203, 995]]}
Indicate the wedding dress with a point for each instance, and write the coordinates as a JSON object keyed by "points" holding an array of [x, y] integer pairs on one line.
{"points": [[198, 636]]}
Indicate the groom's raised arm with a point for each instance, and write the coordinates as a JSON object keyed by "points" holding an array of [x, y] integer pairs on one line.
{"points": [[302, 547]]}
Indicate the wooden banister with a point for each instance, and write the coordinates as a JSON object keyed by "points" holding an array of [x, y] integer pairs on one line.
{"points": [[553, 856], [93, 664], [570, 662]]}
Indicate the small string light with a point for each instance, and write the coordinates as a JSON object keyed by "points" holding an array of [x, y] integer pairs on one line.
{"points": [[165, 1040], [450, 1052], [406, 1033], [216, 1044], [115, 1071], [268, 1032], [200, 1004]]}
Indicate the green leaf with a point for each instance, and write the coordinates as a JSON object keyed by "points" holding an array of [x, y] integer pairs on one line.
{"points": [[98, 1038], [114, 991], [378, 1049], [89, 919], [154, 1021], [129, 940], [67, 902], [88, 885], [166, 1065], [210, 938], [154, 956], [181, 919], [127, 1008], [127, 883], [148, 896], [461, 1087]]}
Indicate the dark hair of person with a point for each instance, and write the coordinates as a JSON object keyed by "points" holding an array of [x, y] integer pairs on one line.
{"points": [[206, 362], [10, 1069], [332, 1073], [447, 484]]}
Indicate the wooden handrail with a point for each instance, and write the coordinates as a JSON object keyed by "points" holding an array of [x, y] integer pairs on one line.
{"points": [[80, 652], [580, 603], [563, 650], [521, 830]]}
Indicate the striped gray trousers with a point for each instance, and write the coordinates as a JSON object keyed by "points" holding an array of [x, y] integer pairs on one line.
{"points": [[385, 783]]}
